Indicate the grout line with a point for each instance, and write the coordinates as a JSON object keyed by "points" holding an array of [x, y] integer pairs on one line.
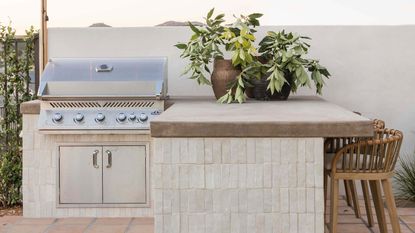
{"points": [[90, 224], [129, 225], [405, 224], [50, 225], [8, 226], [367, 224]]}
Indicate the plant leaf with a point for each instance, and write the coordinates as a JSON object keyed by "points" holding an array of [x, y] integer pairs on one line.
{"points": [[210, 13], [255, 15], [181, 46], [194, 28]]}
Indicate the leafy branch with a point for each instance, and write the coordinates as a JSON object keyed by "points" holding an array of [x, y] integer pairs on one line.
{"points": [[205, 45], [285, 55], [14, 89]]}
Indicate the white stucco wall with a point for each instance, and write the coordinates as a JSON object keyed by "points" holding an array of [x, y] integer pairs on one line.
{"points": [[372, 66]]}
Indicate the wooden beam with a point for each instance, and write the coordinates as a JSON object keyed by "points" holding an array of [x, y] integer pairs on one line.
{"points": [[44, 34]]}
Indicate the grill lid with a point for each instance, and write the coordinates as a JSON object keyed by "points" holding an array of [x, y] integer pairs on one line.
{"points": [[104, 77]]}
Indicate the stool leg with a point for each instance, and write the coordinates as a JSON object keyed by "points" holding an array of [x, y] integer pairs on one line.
{"points": [[377, 200], [355, 198], [348, 193], [326, 179], [368, 205], [334, 196], [390, 203]]}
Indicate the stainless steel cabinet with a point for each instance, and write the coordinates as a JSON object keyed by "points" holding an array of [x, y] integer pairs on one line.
{"points": [[80, 174], [124, 174], [103, 174]]}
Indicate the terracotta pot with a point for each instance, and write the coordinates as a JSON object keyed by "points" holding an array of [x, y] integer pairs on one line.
{"points": [[261, 93], [249, 92], [223, 74]]}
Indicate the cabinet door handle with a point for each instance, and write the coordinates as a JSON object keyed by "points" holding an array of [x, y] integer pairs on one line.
{"points": [[95, 158], [109, 154]]}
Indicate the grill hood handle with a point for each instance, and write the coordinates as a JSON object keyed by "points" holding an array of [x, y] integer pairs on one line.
{"points": [[103, 68]]}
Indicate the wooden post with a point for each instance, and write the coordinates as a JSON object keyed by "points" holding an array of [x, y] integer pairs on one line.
{"points": [[44, 34]]}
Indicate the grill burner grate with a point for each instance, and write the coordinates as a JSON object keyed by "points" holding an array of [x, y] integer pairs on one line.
{"points": [[108, 104]]}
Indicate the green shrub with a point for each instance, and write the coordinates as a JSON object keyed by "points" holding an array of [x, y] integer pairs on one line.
{"points": [[405, 179], [14, 89], [11, 178]]}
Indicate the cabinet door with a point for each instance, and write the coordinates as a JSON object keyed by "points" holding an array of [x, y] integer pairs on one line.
{"points": [[124, 174], [80, 174]]}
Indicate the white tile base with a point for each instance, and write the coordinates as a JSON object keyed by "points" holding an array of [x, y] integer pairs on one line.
{"points": [[40, 174], [239, 185]]}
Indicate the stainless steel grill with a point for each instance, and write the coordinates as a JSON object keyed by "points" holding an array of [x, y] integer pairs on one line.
{"points": [[102, 94]]}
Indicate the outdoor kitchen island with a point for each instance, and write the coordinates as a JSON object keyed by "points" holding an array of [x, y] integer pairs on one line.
{"points": [[253, 167]]}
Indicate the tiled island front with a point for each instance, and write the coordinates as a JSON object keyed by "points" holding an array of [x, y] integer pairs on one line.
{"points": [[238, 185], [256, 167]]}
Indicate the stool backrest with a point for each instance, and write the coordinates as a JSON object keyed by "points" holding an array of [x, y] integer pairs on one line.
{"points": [[375, 155]]}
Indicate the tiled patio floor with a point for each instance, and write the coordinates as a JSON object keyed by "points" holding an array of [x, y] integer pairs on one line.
{"points": [[348, 223], [17, 224]]}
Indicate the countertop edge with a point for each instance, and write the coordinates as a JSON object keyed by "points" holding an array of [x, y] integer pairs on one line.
{"points": [[30, 107], [262, 129]]}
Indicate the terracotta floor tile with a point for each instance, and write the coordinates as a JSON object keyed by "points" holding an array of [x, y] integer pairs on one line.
{"points": [[27, 228], [351, 219], [10, 219], [411, 226], [404, 229], [143, 221], [67, 228], [353, 228], [406, 211], [107, 229], [408, 218], [112, 221], [345, 210], [76, 221], [141, 229], [3, 229], [36, 221]]}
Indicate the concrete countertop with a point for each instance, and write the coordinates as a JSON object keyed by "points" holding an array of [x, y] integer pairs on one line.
{"points": [[30, 107], [301, 116]]}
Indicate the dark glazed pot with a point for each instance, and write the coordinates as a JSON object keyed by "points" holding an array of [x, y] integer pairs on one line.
{"points": [[223, 74], [261, 93]]}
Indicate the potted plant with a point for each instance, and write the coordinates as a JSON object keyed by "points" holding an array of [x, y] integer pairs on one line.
{"points": [[230, 76], [273, 71], [283, 55]]}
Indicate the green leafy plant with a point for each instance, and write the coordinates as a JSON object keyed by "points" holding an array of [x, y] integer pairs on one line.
{"points": [[286, 63], [405, 179], [283, 56], [207, 43], [14, 89]]}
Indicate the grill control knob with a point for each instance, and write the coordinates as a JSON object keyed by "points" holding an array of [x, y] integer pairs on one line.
{"points": [[143, 117], [121, 117], [132, 117], [79, 117], [100, 117], [57, 117]]}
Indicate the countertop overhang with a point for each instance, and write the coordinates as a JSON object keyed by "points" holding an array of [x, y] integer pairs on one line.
{"points": [[300, 116]]}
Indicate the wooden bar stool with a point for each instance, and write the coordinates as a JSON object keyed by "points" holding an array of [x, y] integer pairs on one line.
{"points": [[332, 145], [371, 160]]}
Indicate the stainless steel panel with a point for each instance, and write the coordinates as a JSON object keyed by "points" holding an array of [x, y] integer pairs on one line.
{"points": [[83, 77], [124, 174], [80, 174], [46, 121]]}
